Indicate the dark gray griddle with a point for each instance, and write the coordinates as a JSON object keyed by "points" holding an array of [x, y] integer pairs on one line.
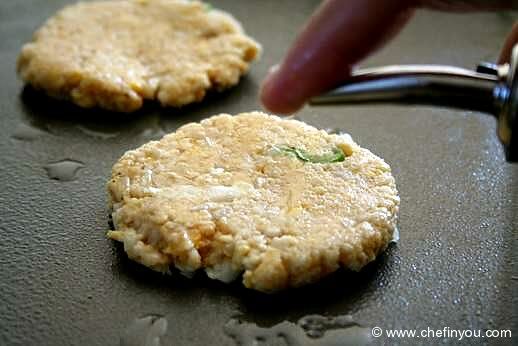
{"points": [[63, 283]]}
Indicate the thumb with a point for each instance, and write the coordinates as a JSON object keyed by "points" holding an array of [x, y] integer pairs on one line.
{"points": [[511, 40]]}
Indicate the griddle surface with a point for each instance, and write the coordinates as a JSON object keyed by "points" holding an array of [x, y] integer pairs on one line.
{"points": [[62, 282]]}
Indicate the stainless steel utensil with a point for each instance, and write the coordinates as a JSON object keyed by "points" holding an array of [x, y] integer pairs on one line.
{"points": [[490, 89]]}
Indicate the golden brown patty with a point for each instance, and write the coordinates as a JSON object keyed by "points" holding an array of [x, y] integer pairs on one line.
{"points": [[278, 200], [114, 54]]}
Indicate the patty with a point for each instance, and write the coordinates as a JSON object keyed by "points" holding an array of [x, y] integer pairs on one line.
{"points": [[115, 54], [276, 200]]}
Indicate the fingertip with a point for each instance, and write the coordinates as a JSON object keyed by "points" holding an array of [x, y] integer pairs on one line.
{"points": [[276, 96]]}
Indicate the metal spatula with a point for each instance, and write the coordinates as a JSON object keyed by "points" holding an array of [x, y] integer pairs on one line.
{"points": [[491, 89]]}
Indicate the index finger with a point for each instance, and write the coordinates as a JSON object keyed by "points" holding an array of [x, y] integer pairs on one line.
{"points": [[338, 35]]}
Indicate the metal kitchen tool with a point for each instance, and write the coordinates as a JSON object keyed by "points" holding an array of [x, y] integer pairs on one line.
{"points": [[491, 89]]}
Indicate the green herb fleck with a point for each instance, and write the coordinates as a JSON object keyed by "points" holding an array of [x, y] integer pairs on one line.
{"points": [[208, 7], [336, 155]]}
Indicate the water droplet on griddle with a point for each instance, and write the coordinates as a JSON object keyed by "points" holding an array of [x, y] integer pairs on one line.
{"points": [[64, 170], [145, 331], [309, 330], [25, 132]]}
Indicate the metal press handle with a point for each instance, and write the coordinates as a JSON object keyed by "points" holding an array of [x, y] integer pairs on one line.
{"points": [[436, 85], [491, 89]]}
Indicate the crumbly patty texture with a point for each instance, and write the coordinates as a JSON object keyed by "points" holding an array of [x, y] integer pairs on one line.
{"points": [[221, 196], [115, 54]]}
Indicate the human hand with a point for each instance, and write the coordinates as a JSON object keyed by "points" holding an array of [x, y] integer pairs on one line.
{"points": [[341, 33]]}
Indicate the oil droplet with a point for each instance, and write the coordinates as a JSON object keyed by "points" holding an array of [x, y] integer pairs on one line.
{"points": [[292, 117], [309, 330], [315, 326], [145, 331], [153, 128], [64, 170], [395, 235], [26, 132], [97, 133], [335, 131], [152, 133]]}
